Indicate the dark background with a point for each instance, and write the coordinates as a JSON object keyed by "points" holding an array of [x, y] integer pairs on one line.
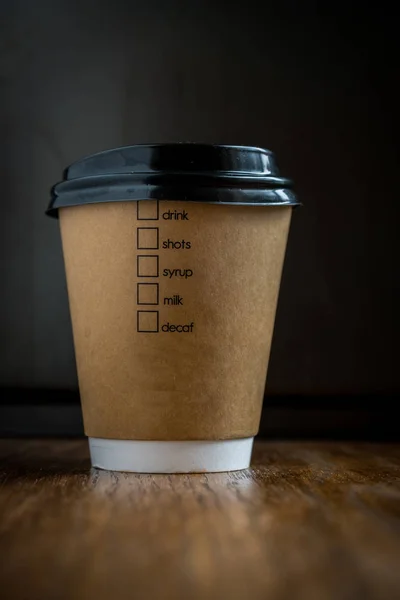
{"points": [[314, 82]]}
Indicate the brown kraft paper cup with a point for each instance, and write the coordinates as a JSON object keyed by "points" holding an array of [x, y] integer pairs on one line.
{"points": [[173, 305]]}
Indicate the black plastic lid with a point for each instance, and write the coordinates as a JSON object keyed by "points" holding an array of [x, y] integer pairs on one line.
{"points": [[186, 171]]}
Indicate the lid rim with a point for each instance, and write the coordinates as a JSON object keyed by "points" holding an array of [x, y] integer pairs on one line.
{"points": [[252, 197], [183, 177]]}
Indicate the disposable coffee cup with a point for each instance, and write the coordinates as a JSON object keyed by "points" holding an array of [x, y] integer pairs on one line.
{"points": [[173, 256]]}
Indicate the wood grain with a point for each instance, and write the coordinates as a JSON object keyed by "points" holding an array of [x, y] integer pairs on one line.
{"points": [[309, 521]]}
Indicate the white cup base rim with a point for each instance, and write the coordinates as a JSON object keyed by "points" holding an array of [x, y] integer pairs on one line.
{"points": [[144, 456]]}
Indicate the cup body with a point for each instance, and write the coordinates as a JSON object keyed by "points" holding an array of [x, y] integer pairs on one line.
{"points": [[172, 315]]}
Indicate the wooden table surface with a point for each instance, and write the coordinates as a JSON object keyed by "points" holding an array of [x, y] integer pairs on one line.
{"points": [[310, 521]]}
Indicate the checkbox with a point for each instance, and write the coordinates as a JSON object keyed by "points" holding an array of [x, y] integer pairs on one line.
{"points": [[147, 265], [147, 293], [147, 321], [147, 238], [147, 210]]}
